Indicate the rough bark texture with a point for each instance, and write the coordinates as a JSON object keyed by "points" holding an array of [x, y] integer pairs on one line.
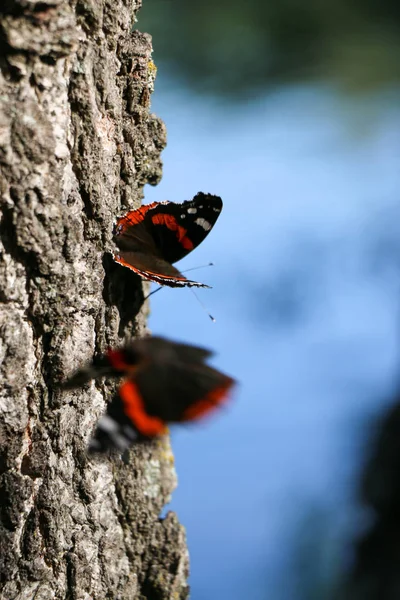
{"points": [[77, 144]]}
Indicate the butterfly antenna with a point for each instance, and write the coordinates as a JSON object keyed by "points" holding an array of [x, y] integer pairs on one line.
{"points": [[199, 267], [202, 305]]}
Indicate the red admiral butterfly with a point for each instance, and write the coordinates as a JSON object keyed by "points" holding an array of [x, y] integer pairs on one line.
{"points": [[165, 382], [156, 235]]}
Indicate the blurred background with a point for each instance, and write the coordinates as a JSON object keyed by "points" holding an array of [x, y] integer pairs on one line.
{"points": [[290, 112]]}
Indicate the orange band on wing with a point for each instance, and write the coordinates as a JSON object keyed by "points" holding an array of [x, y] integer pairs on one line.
{"points": [[170, 222], [211, 401], [135, 409], [117, 360], [133, 217]]}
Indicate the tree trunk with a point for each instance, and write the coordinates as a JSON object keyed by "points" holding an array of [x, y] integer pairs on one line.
{"points": [[77, 145]]}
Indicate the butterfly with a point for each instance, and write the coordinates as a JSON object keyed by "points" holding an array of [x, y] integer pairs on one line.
{"points": [[163, 382], [154, 236]]}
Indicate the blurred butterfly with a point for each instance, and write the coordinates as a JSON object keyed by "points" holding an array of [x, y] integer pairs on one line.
{"points": [[163, 382]]}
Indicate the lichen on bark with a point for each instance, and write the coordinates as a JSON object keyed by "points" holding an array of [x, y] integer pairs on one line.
{"points": [[77, 145]]}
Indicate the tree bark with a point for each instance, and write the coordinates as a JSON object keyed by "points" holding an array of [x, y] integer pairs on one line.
{"points": [[77, 145]]}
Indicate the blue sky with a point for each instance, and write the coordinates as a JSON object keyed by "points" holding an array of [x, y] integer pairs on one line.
{"points": [[305, 293]]}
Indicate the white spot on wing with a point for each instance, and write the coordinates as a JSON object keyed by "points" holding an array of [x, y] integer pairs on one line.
{"points": [[204, 224], [108, 424], [192, 211], [183, 216], [129, 432]]}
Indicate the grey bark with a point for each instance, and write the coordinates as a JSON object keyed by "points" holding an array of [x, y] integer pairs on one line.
{"points": [[77, 145]]}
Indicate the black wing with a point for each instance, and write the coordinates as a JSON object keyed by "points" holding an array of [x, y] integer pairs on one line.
{"points": [[161, 350], [169, 391], [192, 222], [99, 367]]}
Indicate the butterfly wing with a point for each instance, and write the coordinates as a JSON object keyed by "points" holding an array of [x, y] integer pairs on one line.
{"points": [[124, 361], [161, 350], [166, 382], [179, 228], [156, 396], [176, 393], [153, 268], [99, 367], [164, 231]]}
